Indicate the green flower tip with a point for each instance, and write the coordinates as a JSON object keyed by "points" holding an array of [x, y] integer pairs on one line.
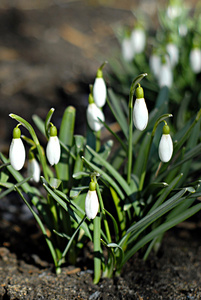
{"points": [[53, 131], [91, 99], [92, 186], [31, 155], [99, 73], [166, 129], [139, 92], [16, 133]]}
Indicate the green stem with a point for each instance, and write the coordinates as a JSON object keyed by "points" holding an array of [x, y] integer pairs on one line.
{"points": [[97, 248], [107, 230]]}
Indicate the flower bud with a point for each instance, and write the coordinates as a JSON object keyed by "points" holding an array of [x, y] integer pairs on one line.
{"points": [[99, 89], [127, 49], [165, 76], [140, 111], [173, 53], [155, 64], [195, 60], [138, 38], [53, 150], [33, 168], [165, 149], [17, 151], [93, 113], [91, 201]]}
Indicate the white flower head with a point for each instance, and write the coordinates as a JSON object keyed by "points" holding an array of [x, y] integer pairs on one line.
{"points": [[94, 113], [34, 169], [165, 75], [127, 49], [17, 153], [195, 60], [173, 52], [165, 149], [140, 111], [53, 149], [155, 64], [138, 39], [91, 202], [99, 89]]}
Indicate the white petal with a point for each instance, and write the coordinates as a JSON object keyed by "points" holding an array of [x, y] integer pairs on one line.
{"points": [[127, 49], [165, 76], [138, 39], [155, 64], [91, 204], [53, 150], [165, 149], [140, 114], [17, 154], [93, 113], [99, 92], [173, 53], [34, 169], [195, 60]]}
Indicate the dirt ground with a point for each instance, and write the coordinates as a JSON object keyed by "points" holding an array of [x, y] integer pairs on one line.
{"points": [[49, 53]]}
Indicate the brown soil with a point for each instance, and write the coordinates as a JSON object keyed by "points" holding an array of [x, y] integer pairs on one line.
{"points": [[49, 54]]}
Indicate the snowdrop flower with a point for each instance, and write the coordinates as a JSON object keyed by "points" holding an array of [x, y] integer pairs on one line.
{"points": [[155, 64], [99, 89], [33, 168], [165, 76], [195, 60], [165, 149], [17, 151], [173, 53], [138, 39], [140, 111], [173, 11], [53, 150], [127, 49], [94, 113], [91, 201]]}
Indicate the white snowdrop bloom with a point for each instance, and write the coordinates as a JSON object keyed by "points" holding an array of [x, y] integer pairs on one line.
{"points": [[99, 91], [140, 111], [91, 202], [173, 53], [183, 30], [155, 64], [138, 39], [53, 149], [34, 169], [127, 49], [17, 153], [93, 113], [165, 149], [173, 11], [165, 75], [195, 60]]}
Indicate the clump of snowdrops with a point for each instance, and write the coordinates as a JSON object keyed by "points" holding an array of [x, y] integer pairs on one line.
{"points": [[123, 198], [170, 52]]}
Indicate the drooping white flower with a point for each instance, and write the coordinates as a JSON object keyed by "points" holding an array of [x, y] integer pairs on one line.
{"points": [[155, 64], [17, 153], [91, 202], [34, 169], [138, 39], [99, 89], [140, 111], [195, 60], [173, 53], [94, 113], [165, 149], [173, 11], [165, 76], [127, 49], [53, 149]]}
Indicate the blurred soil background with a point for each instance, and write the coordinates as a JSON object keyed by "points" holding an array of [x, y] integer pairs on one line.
{"points": [[49, 54]]}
